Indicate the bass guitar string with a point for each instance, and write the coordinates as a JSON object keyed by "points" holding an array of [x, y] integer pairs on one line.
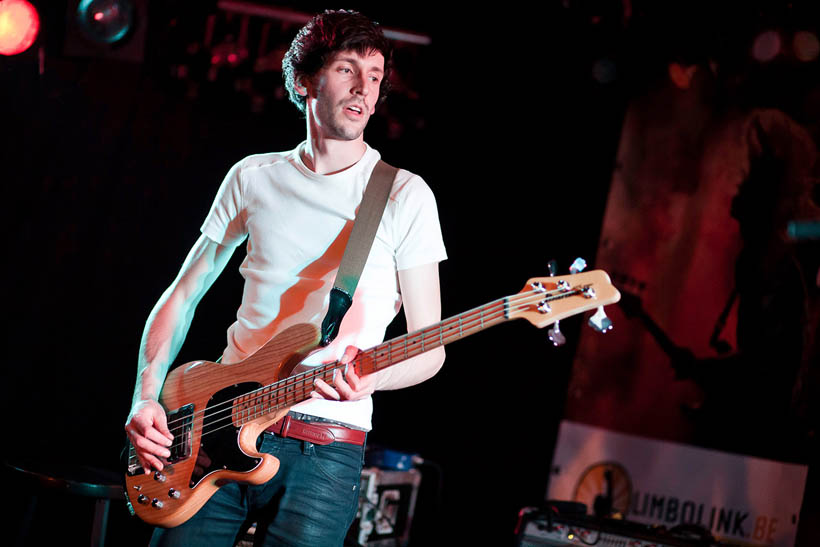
{"points": [[422, 336], [415, 339], [412, 344]]}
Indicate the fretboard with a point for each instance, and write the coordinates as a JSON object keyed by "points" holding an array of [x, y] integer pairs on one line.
{"points": [[297, 388]]}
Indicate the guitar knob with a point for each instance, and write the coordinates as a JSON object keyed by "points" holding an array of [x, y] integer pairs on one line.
{"points": [[600, 321], [156, 503], [556, 336], [173, 494], [159, 477], [142, 498]]}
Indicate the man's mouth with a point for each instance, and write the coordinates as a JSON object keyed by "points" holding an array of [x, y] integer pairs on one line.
{"points": [[355, 109]]}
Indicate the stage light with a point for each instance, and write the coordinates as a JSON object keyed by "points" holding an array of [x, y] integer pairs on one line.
{"points": [[19, 25], [766, 46], [806, 46], [105, 21]]}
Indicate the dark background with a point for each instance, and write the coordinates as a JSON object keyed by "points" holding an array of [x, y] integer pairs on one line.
{"points": [[512, 115]]}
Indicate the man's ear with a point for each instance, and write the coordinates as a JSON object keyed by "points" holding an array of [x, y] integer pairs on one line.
{"points": [[302, 85]]}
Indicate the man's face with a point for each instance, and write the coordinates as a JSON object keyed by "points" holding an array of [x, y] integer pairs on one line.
{"points": [[342, 96]]}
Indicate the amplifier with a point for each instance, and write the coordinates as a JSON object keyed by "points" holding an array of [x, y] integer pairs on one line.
{"points": [[538, 527], [387, 501]]}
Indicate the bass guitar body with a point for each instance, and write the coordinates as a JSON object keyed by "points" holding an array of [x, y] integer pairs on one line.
{"points": [[214, 414]]}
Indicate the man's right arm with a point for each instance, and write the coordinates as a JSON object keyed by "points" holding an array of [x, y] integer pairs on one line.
{"points": [[162, 339]]}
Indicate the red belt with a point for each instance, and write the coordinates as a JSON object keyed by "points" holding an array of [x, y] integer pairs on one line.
{"points": [[316, 432]]}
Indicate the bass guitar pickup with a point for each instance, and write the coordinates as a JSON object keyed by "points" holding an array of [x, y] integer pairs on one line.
{"points": [[180, 423]]}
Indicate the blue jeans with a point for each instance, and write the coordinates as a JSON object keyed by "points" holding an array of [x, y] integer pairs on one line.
{"points": [[310, 502]]}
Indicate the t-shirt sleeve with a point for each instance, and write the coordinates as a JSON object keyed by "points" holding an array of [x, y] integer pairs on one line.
{"points": [[417, 230], [225, 222]]}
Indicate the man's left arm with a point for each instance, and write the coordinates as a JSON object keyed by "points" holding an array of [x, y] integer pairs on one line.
{"points": [[421, 296]]}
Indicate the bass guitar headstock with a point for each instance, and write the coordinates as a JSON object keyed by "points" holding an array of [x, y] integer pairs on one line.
{"points": [[546, 300]]}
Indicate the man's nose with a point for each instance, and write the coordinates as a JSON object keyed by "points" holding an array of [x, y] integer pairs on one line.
{"points": [[360, 85]]}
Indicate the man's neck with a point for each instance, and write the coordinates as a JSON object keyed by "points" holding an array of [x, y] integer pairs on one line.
{"points": [[328, 156]]}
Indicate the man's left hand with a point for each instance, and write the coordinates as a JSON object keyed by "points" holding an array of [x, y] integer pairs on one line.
{"points": [[348, 386]]}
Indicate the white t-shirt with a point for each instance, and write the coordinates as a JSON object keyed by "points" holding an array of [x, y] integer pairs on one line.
{"points": [[296, 224]]}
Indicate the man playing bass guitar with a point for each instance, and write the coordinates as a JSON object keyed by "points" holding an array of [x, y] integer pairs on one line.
{"points": [[294, 211]]}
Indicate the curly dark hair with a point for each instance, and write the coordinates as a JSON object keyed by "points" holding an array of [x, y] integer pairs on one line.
{"points": [[326, 34]]}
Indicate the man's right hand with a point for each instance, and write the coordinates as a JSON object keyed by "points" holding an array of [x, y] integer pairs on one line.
{"points": [[148, 432]]}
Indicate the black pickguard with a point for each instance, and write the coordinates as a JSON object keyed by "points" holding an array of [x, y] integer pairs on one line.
{"points": [[219, 447]]}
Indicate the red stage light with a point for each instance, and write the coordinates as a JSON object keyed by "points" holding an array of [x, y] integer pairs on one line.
{"points": [[19, 25], [766, 46]]}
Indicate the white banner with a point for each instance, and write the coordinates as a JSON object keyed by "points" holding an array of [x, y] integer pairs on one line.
{"points": [[739, 499]]}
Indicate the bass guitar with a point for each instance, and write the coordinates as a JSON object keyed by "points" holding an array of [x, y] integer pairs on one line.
{"points": [[228, 407]]}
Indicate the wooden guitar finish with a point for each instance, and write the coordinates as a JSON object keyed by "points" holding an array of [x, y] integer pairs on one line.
{"points": [[222, 410]]}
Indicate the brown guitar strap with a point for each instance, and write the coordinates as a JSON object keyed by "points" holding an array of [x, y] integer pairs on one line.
{"points": [[358, 248]]}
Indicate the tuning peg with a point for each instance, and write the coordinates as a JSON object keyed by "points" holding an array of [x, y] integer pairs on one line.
{"points": [[578, 265], [537, 286], [600, 321], [556, 336], [552, 266]]}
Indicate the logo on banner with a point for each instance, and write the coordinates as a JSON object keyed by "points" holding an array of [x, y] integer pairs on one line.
{"points": [[605, 484]]}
